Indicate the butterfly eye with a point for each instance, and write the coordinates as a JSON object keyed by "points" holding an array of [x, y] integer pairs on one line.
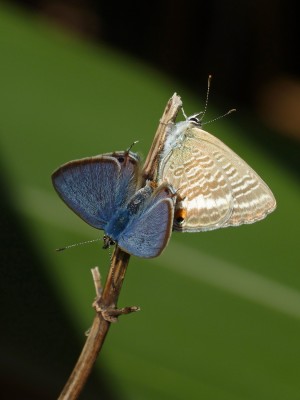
{"points": [[128, 159], [195, 120], [107, 242], [180, 216]]}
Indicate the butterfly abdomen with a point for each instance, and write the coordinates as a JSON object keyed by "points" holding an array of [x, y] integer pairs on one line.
{"points": [[122, 217], [117, 224]]}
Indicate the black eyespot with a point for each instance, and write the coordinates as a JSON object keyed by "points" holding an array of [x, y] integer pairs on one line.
{"points": [[179, 220], [121, 159]]}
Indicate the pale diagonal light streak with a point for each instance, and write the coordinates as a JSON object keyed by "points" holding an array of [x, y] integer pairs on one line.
{"points": [[209, 269]]}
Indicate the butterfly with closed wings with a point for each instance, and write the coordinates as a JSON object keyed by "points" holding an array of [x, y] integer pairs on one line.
{"points": [[215, 187]]}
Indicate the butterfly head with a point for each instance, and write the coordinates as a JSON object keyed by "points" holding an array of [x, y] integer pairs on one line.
{"points": [[125, 157], [107, 242], [195, 118]]}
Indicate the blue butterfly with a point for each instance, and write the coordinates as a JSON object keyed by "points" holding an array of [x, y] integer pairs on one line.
{"points": [[105, 191]]}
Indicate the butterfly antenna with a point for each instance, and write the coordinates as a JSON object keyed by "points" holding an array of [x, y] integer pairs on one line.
{"points": [[221, 116], [207, 96], [131, 146], [110, 253], [76, 244], [194, 117]]}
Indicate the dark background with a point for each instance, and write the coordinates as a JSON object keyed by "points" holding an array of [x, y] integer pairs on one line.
{"points": [[250, 47]]}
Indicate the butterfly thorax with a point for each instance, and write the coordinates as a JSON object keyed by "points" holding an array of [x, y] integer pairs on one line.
{"points": [[124, 215], [176, 137], [117, 224]]}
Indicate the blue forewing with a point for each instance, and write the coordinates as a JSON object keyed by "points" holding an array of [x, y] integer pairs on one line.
{"points": [[94, 188], [105, 192]]}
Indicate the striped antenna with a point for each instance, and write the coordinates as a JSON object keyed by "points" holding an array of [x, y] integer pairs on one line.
{"points": [[76, 244]]}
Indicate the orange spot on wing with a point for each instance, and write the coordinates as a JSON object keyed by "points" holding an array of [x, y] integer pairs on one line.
{"points": [[180, 215]]}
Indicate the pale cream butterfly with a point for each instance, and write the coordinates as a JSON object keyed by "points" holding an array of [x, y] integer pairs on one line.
{"points": [[215, 187]]}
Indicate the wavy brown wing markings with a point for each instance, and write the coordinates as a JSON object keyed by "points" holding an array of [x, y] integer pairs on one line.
{"points": [[252, 199], [202, 185], [218, 187]]}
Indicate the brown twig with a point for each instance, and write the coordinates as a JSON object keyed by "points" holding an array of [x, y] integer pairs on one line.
{"points": [[166, 121], [106, 303], [97, 281]]}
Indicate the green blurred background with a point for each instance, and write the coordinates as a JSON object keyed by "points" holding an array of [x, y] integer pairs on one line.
{"points": [[220, 312]]}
